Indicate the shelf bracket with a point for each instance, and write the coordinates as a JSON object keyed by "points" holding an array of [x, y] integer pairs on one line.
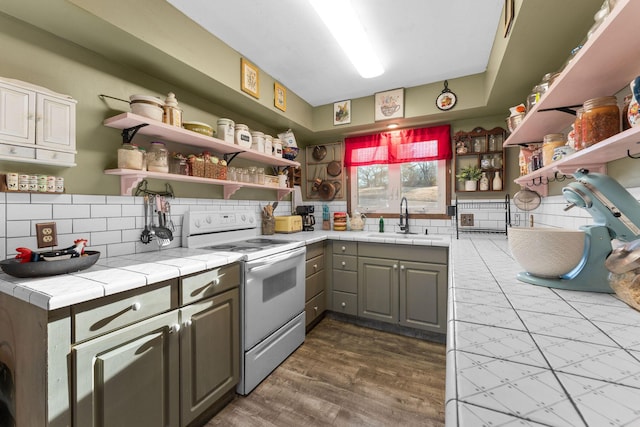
{"points": [[228, 157], [230, 189], [128, 183], [631, 156], [129, 133], [283, 192], [568, 109]]}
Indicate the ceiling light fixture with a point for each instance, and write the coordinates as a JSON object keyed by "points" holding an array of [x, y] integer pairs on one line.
{"points": [[343, 23], [392, 126]]}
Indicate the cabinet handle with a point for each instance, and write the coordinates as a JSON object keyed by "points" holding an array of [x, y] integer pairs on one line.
{"points": [[315, 266], [344, 248], [343, 304], [395, 266], [136, 306], [215, 281], [402, 267], [343, 263], [188, 323], [174, 328], [316, 308], [13, 150]]}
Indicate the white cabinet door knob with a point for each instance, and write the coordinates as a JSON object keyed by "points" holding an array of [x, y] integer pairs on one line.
{"points": [[343, 263], [402, 267], [344, 248], [136, 306], [395, 266], [188, 323], [174, 328], [343, 304]]}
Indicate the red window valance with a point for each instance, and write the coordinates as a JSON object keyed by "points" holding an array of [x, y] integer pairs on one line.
{"points": [[400, 146]]}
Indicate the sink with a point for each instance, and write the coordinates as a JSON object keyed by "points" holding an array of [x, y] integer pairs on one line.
{"points": [[404, 236]]}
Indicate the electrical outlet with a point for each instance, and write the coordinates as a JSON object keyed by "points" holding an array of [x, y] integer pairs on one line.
{"points": [[46, 234], [466, 220]]}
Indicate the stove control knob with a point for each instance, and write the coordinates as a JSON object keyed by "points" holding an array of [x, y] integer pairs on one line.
{"points": [[251, 219], [208, 220], [243, 218], [196, 223]]}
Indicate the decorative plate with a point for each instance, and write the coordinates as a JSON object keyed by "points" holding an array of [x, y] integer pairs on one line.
{"points": [[447, 99], [14, 267]]}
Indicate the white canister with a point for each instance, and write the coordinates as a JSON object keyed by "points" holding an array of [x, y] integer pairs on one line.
{"points": [[51, 184], [23, 182], [226, 130], [257, 141], [12, 181], [42, 183], [268, 144], [147, 106], [172, 115], [277, 147], [282, 181], [33, 182], [243, 136], [59, 184]]}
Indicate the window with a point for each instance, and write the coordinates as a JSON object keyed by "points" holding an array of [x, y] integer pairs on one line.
{"points": [[412, 163]]}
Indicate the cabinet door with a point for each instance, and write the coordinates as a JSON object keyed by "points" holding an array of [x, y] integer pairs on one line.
{"points": [[129, 377], [423, 296], [17, 114], [378, 289], [210, 352], [55, 123]]}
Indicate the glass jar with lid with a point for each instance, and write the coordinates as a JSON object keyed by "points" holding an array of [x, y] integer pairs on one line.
{"points": [[129, 157], [549, 143], [600, 120], [157, 158], [253, 177], [260, 175]]}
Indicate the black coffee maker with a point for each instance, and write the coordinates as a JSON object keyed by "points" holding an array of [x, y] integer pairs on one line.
{"points": [[308, 220]]}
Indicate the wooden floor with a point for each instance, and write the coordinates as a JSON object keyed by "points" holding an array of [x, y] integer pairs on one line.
{"points": [[347, 375]]}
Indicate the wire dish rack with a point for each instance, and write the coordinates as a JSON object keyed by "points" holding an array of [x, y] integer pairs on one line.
{"points": [[481, 217]]}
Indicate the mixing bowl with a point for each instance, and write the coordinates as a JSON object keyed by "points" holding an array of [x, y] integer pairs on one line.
{"points": [[546, 252]]}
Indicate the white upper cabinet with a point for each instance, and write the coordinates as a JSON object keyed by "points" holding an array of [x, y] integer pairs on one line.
{"points": [[36, 125]]}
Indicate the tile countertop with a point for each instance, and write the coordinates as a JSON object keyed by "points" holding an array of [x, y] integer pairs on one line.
{"points": [[517, 354], [520, 354], [116, 274]]}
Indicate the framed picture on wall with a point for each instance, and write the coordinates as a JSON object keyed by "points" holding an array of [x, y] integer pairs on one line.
{"points": [[342, 112], [280, 96], [250, 78], [389, 104]]}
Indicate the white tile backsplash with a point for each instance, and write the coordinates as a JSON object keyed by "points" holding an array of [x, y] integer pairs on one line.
{"points": [[114, 223]]}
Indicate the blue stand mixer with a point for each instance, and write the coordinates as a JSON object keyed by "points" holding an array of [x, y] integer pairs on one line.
{"points": [[616, 215]]}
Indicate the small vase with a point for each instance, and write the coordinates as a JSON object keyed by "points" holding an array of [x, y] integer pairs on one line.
{"points": [[497, 182], [484, 182], [470, 185], [633, 113]]}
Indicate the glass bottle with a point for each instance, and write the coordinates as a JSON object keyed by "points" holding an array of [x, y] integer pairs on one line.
{"points": [[477, 145], [493, 143], [484, 182], [497, 182]]}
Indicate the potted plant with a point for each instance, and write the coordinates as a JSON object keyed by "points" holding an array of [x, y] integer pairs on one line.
{"points": [[470, 175]]}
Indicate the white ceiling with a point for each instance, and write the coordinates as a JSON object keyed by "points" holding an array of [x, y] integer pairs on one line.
{"points": [[417, 41]]}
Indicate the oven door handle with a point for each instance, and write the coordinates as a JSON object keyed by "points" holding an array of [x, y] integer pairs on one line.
{"points": [[269, 261]]}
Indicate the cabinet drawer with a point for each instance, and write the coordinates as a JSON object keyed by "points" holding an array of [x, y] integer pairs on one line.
{"points": [[7, 150], [314, 284], [103, 315], [55, 156], [346, 281], [314, 308], [315, 249], [345, 262], [314, 265], [345, 303], [209, 283], [347, 248]]}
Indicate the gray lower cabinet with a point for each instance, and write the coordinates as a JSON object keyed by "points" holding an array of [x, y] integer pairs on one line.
{"points": [[129, 377], [409, 289], [161, 355], [344, 277], [210, 353], [315, 283]]}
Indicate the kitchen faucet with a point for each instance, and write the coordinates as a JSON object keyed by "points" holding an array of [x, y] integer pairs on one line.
{"points": [[404, 217]]}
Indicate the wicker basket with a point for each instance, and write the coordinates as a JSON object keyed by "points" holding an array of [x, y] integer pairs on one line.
{"points": [[196, 166], [215, 171]]}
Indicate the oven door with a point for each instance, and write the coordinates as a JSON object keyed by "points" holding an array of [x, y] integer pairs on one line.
{"points": [[273, 294]]}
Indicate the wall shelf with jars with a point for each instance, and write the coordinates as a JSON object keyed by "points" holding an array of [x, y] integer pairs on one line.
{"points": [[484, 149], [582, 80], [130, 177]]}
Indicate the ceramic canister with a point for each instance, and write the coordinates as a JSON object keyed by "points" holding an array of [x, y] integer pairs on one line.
{"points": [[226, 130], [12, 181]]}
